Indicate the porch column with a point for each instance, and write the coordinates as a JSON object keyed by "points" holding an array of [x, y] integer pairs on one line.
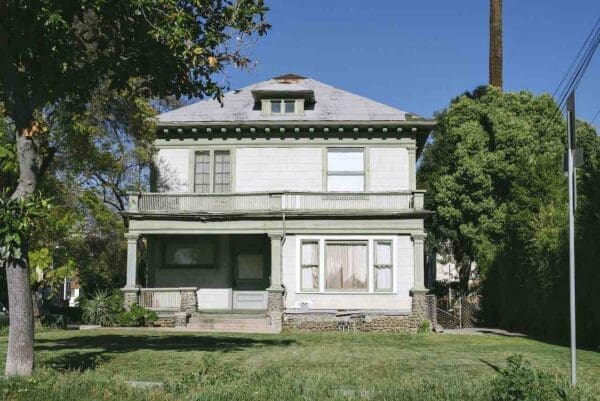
{"points": [[275, 291], [131, 292], [419, 265], [275, 284], [132, 240]]}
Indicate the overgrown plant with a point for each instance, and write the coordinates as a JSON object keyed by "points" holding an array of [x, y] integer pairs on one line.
{"points": [[519, 381], [102, 308]]}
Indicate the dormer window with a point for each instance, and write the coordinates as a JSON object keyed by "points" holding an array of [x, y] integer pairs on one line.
{"points": [[279, 106]]}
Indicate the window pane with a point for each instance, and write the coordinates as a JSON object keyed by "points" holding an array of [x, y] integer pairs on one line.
{"points": [[383, 253], [310, 278], [202, 172], [275, 106], [289, 106], [185, 252], [383, 278], [351, 183], [222, 168], [250, 266], [345, 159], [310, 253], [346, 266]]}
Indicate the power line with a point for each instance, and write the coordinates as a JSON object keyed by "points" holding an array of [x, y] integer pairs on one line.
{"points": [[572, 77]]}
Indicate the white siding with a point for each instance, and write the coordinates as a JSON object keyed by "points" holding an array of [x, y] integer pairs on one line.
{"points": [[277, 169], [173, 170], [398, 300], [388, 169]]}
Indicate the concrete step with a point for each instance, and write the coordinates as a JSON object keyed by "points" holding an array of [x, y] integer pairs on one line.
{"points": [[242, 323]]}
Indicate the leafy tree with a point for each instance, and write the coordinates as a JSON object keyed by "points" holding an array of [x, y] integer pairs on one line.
{"points": [[489, 151], [59, 52], [495, 181]]}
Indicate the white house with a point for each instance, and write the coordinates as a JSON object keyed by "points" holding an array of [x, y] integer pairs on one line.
{"points": [[293, 202]]}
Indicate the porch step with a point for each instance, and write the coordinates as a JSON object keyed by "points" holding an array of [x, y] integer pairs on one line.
{"points": [[230, 323]]}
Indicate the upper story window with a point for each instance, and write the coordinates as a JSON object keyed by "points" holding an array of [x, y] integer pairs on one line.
{"points": [[346, 169], [279, 106], [212, 171]]}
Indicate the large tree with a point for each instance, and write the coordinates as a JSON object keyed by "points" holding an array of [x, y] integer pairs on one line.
{"points": [[494, 177], [61, 51]]}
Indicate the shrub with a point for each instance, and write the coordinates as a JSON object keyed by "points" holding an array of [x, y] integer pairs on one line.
{"points": [[424, 327], [102, 308], [519, 381], [137, 316]]}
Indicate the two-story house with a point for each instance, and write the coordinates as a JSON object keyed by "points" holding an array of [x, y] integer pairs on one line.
{"points": [[292, 201]]}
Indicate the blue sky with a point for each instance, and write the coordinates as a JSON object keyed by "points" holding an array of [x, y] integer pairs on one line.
{"points": [[417, 55]]}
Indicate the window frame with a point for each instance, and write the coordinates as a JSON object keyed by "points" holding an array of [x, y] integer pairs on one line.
{"points": [[282, 106], [371, 241], [356, 173], [210, 240], [304, 265], [347, 242], [377, 265], [211, 152]]}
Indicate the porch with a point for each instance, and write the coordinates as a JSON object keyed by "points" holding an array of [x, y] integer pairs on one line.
{"points": [[204, 273]]}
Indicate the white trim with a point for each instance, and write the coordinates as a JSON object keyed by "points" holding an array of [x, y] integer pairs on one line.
{"points": [[370, 239]]}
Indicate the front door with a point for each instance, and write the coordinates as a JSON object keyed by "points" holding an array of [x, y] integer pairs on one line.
{"points": [[250, 263], [250, 272]]}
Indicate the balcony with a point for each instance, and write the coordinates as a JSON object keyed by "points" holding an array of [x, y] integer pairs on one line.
{"points": [[276, 202]]}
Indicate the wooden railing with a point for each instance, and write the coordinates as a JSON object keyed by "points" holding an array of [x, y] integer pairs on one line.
{"points": [[160, 298], [273, 202]]}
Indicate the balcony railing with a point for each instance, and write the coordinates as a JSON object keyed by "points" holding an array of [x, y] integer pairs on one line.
{"points": [[275, 202]]}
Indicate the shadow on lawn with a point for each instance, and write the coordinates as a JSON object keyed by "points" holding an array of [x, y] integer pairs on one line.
{"points": [[105, 344]]}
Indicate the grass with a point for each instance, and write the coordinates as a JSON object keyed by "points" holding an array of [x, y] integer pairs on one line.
{"points": [[96, 365]]}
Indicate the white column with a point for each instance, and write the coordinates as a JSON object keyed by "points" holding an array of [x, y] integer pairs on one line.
{"points": [[275, 262], [132, 240], [419, 265]]}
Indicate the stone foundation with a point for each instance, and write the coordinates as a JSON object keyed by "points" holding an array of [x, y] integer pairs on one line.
{"points": [[181, 319], [422, 310], [130, 297], [357, 322], [275, 309], [189, 300]]}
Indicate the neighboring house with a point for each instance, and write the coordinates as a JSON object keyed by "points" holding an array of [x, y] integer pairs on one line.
{"points": [[294, 199]]}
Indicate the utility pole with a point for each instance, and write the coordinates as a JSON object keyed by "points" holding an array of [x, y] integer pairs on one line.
{"points": [[495, 55], [571, 149]]}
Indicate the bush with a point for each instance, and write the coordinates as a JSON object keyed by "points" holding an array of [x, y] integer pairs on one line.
{"points": [[102, 308], [137, 316], [424, 327], [519, 381]]}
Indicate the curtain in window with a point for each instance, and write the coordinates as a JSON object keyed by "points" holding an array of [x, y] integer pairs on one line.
{"points": [[310, 265], [346, 266], [383, 253], [383, 265]]}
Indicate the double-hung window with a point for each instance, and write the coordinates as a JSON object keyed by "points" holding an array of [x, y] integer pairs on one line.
{"points": [[383, 265], [222, 171], [212, 171], [309, 266], [345, 169], [202, 172]]}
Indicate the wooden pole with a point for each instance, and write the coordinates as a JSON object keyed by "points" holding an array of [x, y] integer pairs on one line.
{"points": [[495, 56]]}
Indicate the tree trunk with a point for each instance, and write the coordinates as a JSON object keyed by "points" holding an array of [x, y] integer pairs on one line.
{"points": [[19, 357], [495, 61]]}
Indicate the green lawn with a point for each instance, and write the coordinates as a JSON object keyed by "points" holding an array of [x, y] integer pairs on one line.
{"points": [[96, 365]]}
